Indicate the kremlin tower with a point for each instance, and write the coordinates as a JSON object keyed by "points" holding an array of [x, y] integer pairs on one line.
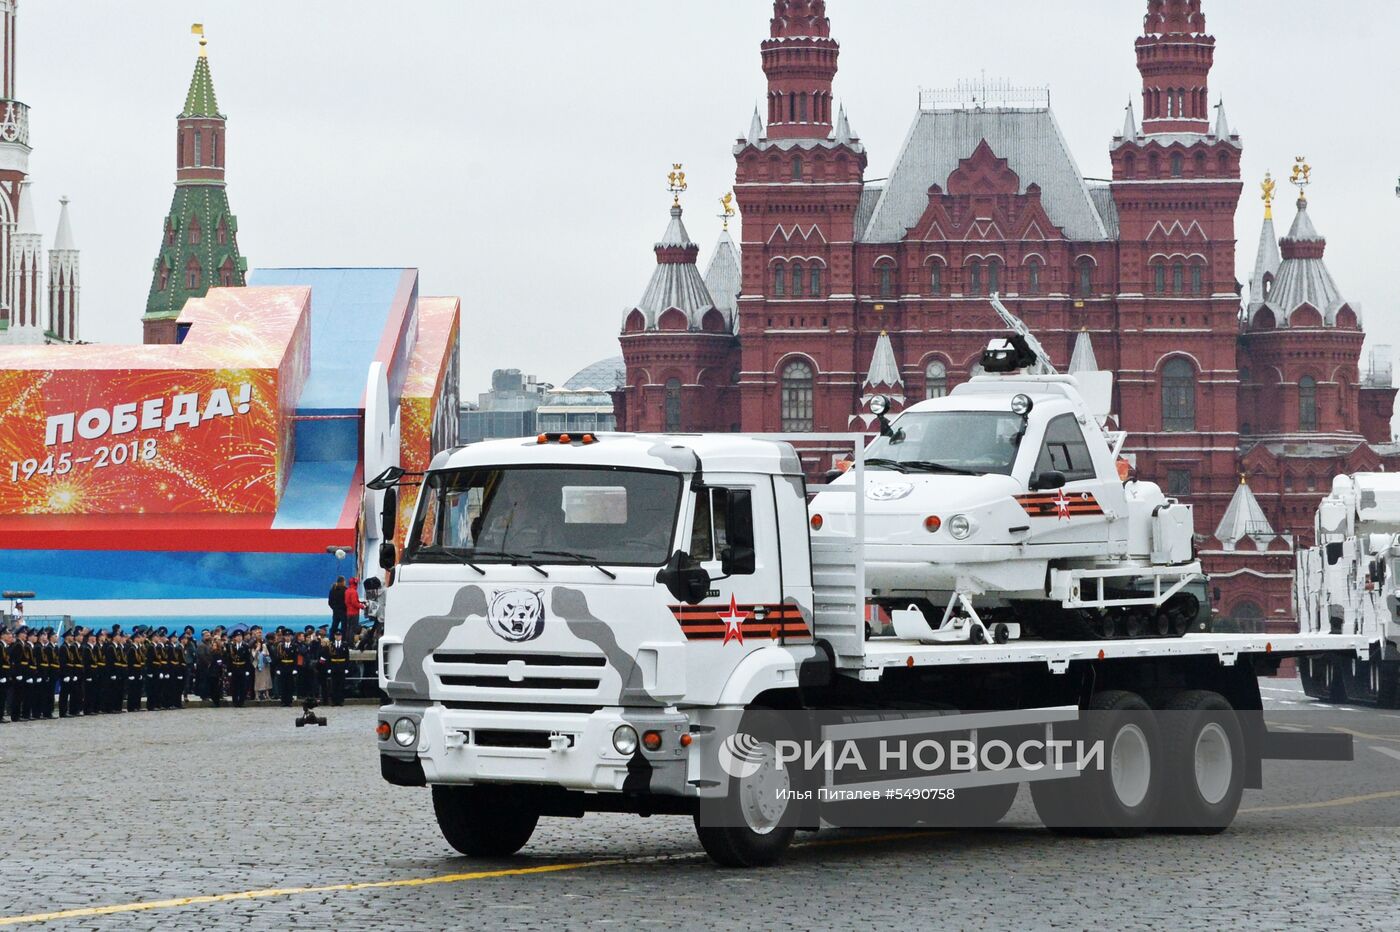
{"points": [[29, 314], [199, 249]]}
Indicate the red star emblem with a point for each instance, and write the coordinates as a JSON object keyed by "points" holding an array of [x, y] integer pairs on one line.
{"points": [[1062, 506], [733, 622]]}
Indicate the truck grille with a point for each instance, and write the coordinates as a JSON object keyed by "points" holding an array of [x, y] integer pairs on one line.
{"points": [[485, 670]]}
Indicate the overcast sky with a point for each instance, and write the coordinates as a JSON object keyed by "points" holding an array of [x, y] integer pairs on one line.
{"points": [[515, 152]]}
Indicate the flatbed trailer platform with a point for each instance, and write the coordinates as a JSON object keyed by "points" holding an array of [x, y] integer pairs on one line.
{"points": [[882, 653]]}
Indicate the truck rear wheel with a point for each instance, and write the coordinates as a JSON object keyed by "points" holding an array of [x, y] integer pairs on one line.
{"points": [[1314, 685], [1120, 796], [485, 821], [1204, 760], [1388, 694]]}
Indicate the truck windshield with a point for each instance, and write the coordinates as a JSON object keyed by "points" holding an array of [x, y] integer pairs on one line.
{"points": [[546, 514], [973, 443]]}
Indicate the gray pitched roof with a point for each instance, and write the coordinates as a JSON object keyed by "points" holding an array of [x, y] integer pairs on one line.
{"points": [[1304, 280], [1244, 518], [869, 197], [1102, 196], [1028, 138], [675, 284], [724, 279]]}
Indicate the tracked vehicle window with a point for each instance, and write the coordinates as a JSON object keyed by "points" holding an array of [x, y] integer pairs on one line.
{"points": [[555, 515], [1065, 450], [971, 443]]}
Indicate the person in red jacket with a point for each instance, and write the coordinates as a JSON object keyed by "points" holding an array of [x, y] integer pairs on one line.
{"points": [[352, 608]]}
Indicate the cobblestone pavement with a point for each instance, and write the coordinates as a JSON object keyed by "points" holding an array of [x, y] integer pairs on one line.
{"points": [[152, 807]]}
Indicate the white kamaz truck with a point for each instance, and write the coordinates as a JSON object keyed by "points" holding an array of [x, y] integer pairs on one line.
{"points": [[598, 623], [1346, 583]]}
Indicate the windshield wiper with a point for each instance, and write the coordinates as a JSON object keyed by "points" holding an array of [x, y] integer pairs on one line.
{"points": [[581, 557], [450, 554], [461, 558], [927, 466], [879, 463], [515, 559]]}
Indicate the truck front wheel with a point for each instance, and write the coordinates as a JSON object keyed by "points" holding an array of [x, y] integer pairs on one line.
{"points": [[766, 799], [484, 821]]}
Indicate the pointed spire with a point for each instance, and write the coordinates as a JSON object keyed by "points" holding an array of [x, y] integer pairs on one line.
{"points": [[676, 236], [1244, 518], [200, 101], [1083, 359], [884, 368], [843, 126], [1303, 229], [755, 128], [1222, 124], [1129, 121], [1266, 262], [63, 239]]}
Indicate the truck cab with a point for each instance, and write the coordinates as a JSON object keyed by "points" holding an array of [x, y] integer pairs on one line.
{"points": [[559, 594]]}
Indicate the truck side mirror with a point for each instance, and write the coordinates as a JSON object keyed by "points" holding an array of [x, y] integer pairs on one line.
{"points": [[684, 579], [389, 518], [1047, 481], [1334, 553], [388, 555]]}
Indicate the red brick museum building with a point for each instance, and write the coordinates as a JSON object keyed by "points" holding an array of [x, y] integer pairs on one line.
{"points": [[1243, 399]]}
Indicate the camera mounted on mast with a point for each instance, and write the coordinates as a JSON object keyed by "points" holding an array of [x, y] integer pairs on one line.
{"points": [[1019, 351]]}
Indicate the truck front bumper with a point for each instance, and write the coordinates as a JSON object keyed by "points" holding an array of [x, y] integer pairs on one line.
{"points": [[572, 750]]}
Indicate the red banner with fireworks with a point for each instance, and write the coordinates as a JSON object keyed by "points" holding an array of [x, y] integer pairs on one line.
{"points": [[202, 427]]}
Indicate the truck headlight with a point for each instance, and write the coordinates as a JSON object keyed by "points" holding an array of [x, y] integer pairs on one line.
{"points": [[961, 527], [405, 732], [1021, 405], [625, 739]]}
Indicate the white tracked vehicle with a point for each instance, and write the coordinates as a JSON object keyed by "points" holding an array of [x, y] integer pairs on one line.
{"points": [[1005, 508], [1346, 584]]}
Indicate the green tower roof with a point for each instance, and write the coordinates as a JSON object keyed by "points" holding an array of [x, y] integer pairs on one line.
{"points": [[200, 101]]}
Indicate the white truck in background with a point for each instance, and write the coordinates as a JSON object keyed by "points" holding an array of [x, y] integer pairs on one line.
{"points": [[589, 623], [1346, 584]]}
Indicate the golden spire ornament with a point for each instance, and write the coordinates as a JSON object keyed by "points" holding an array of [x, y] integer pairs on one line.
{"points": [[197, 29], [727, 209], [1302, 177], [676, 183], [1267, 186]]}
